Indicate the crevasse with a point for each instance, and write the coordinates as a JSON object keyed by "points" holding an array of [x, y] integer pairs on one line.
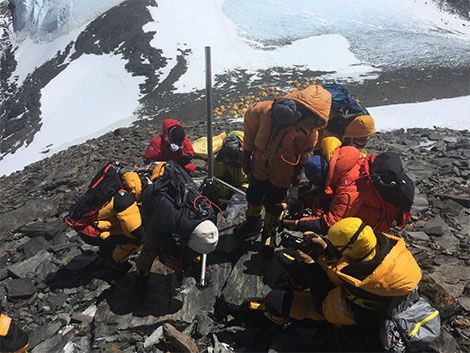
{"points": [[45, 20]]}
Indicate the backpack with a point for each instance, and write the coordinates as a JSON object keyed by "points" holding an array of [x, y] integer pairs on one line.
{"points": [[390, 180], [410, 325], [101, 189], [345, 107], [177, 186]]}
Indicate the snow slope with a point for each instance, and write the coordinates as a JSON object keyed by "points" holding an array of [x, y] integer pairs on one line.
{"points": [[250, 35]]}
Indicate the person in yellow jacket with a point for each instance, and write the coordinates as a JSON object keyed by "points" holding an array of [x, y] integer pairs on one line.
{"points": [[228, 163], [358, 272], [356, 133], [278, 137], [119, 223], [12, 338]]}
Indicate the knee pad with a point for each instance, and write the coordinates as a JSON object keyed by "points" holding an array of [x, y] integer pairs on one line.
{"points": [[278, 302]]}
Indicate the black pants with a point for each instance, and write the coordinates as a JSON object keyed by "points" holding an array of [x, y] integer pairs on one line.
{"points": [[263, 192]]}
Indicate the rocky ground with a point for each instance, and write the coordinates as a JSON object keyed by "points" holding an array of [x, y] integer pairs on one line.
{"points": [[50, 285]]}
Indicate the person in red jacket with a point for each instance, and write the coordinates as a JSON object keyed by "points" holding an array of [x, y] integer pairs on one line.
{"points": [[353, 194], [172, 144]]}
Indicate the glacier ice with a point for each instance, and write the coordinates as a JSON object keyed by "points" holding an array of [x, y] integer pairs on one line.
{"points": [[45, 20]]}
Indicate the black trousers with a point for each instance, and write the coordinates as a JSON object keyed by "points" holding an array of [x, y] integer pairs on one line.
{"points": [[263, 192]]}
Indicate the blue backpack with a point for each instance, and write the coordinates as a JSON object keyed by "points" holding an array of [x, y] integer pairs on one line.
{"points": [[345, 107]]}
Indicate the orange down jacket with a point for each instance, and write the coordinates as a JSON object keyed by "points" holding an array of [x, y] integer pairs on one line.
{"points": [[353, 194], [275, 153]]}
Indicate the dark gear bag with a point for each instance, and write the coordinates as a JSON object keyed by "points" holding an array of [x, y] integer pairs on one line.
{"points": [[177, 186], [411, 324], [391, 182], [345, 106], [102, 188]]}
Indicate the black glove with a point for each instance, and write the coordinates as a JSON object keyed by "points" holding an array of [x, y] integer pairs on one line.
{"points": [[186, 158], [247, 162]]}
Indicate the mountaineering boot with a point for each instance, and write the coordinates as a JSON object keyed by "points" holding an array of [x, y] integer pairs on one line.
{"points": [[253, 223], [12, 338], [268, 237], [141, 284]]}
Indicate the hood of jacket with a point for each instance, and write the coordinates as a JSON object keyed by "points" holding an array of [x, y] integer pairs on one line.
{"points": [[167, 125], [342, 161], [316, 99], [397, 275]]}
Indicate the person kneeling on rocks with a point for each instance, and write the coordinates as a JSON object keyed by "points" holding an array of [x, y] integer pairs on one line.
{"points": [[116, 226], [172, 144], [356, 274], [12, 338], [180, 224]]}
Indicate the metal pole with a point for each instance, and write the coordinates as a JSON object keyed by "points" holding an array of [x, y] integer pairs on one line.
{"points": [[228, 186], [210, 162]]}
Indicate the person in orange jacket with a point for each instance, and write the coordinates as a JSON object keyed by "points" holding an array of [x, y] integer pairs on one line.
{"points": [[357, 273], [12, 338], [172, 144], [353, 194], [277, 138]]}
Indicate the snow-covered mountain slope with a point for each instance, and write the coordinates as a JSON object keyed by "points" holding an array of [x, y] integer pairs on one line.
{"points": [[74, 70]]}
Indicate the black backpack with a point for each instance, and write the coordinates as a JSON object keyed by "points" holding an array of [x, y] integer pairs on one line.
{"points": [[391, 181], [177, 186], [102, 188]]}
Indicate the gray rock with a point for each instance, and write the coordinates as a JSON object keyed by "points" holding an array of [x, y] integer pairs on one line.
{"points": [[44, 270], [154, 338], [30, 265], [445, 343], [3, 273], [448, 243], [204, 325], [51, 345], [420, 203], [79, 261], [452, 278], [465, 302], [20, 288], [43, 333], [436, 226], [250, 276], [56, 301], [34, 245], [13, 220], [452, 207], [419, 236]]}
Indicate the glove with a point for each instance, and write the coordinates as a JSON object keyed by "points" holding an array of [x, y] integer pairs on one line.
{"points": [[247, 162], [303, 257], [186, 158], [317, 242], [290, 224]]}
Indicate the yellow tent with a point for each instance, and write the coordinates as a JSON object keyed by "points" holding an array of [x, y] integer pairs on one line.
{"points": [[200, 145]]}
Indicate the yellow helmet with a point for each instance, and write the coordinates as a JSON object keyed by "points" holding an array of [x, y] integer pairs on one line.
{"points": [[353, 238], [362, 126]]}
